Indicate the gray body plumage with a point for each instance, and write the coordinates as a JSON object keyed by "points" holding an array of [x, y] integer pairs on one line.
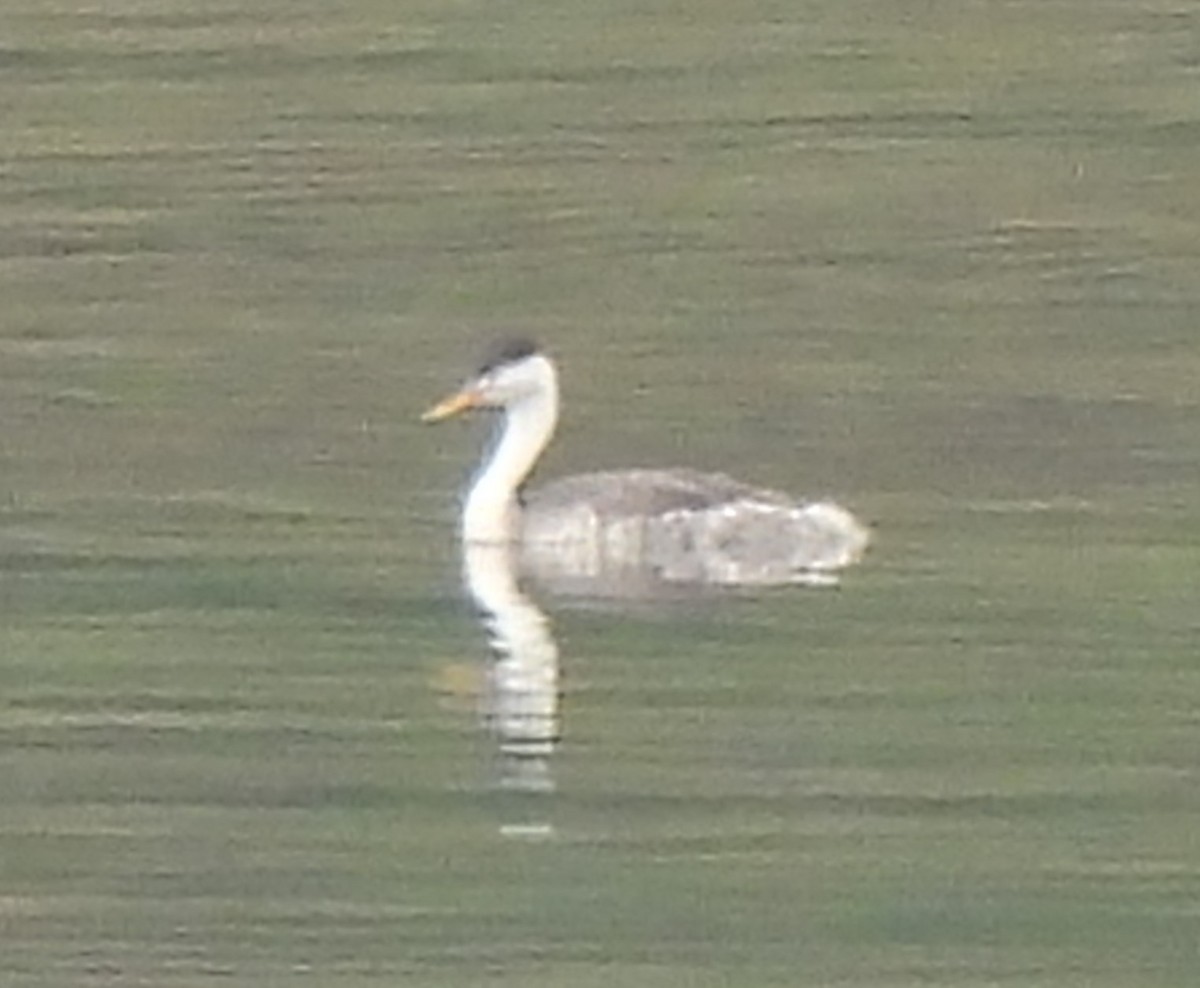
{"points": [[684, 526]]}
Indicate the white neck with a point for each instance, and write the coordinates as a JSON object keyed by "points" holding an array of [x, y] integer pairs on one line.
{"points": [[491, 513]]}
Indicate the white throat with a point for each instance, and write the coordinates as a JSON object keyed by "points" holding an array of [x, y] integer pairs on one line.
{"points": [[491, 512]]}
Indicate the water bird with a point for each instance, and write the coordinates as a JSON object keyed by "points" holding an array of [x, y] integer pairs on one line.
{"points": [[675, 526]]}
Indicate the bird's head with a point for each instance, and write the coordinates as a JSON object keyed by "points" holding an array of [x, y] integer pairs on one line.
{"points": [[513, 370]]}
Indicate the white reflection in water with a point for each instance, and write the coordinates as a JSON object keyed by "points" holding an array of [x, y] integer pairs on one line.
{"points": [[521, 696]]}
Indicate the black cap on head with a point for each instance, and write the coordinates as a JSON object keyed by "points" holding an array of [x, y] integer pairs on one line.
{"points": [[507, 351]]}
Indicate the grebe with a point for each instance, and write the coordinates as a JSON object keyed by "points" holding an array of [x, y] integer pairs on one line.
{"points": [[676, 526]]}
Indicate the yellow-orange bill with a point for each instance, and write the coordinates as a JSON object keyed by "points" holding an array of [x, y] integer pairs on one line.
{"points": [[454, 405]]}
